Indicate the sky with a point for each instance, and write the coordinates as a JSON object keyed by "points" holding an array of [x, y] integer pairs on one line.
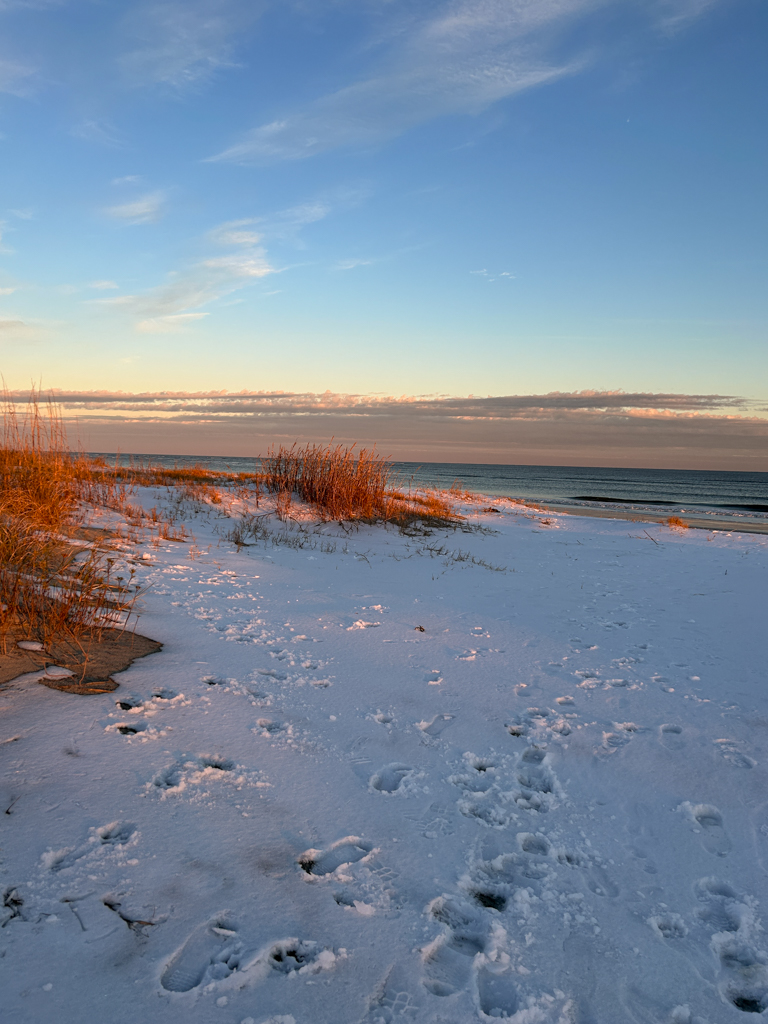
{"points": [[225, 222]]}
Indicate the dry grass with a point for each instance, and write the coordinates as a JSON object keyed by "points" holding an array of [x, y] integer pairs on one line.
{"points": [[50, 584], [343, 484], [338, 482], [675, 522]]}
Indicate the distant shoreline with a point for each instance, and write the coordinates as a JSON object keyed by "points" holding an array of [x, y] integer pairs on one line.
{"points": [[692, 521]]}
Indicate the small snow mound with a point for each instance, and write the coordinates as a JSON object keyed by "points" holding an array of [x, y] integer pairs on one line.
{"points": [[57, 672]]}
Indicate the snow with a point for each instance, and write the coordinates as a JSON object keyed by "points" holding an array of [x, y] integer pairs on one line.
{"points": [[517, 774]]}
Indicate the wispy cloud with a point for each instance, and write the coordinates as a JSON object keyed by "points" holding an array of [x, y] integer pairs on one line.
{"points": [[27, 214], [147, 209], [15, 77], [183, 44], [457, 58], [174, 305], [168, 324], [460, 60], [7, 291], [677, 14], [100, 132], [489, 275], [283, 225], [236, 232], [102, 286], [352, 264]]}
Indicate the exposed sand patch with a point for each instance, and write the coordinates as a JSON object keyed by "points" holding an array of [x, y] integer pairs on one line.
{"points": [[93, 660]]}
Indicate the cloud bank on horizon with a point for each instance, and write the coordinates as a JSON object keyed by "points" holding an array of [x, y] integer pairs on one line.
{"points": [[205, 404], [585, 428], [183, 183]]}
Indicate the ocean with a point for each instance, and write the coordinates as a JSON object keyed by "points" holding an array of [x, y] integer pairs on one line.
{"points": [[740, 496]]}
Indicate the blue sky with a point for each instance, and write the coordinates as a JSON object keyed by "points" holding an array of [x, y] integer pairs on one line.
{"points": [[488, 197]]}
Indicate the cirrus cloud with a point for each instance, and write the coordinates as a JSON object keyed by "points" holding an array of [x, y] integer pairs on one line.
{"points": [[459, 57], [146, 209]]}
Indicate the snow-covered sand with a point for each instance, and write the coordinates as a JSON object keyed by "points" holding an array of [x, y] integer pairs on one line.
{"points": [[548, 806]]}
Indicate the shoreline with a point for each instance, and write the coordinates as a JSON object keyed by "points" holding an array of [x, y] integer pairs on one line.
{"points": [[691, 520]]}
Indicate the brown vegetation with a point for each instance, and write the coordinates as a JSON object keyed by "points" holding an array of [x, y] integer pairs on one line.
{"points": [[51, 583], [346, 485], [677, 523]]}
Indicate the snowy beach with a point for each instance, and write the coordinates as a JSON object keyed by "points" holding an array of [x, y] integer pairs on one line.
{"points": [[516, 772]]}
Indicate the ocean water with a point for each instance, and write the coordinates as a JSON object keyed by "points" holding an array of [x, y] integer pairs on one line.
{"points": [[737, 495]]}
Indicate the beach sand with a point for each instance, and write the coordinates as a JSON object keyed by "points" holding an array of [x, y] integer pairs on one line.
{"points": [[692, 520], [513, 773]]}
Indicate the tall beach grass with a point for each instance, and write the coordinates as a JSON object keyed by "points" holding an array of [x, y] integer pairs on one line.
{"points": [[51, 584]]}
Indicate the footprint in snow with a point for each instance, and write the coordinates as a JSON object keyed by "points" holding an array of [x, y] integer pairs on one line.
{"points": [[709, 824], [670, 736], [129, 703], [668, 926], [536, 779], [348, 850], [517, 726], [296, 955], [212, 951], [392, 999], [731, 753], [374, 891], [117, 833], [268, 726], [596, 877], [614, 740], [436, 725], [130, 728], [731, 922], [497, 993], [447, 960], [433, 678], [389, 778], [474, 782], [435, 822], [599, 881], [533, 842]]}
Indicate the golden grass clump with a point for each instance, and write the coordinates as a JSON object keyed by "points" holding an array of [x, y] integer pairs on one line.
{"points": [[344, 484], [336, 480], [675, 522], [51, 584]]}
